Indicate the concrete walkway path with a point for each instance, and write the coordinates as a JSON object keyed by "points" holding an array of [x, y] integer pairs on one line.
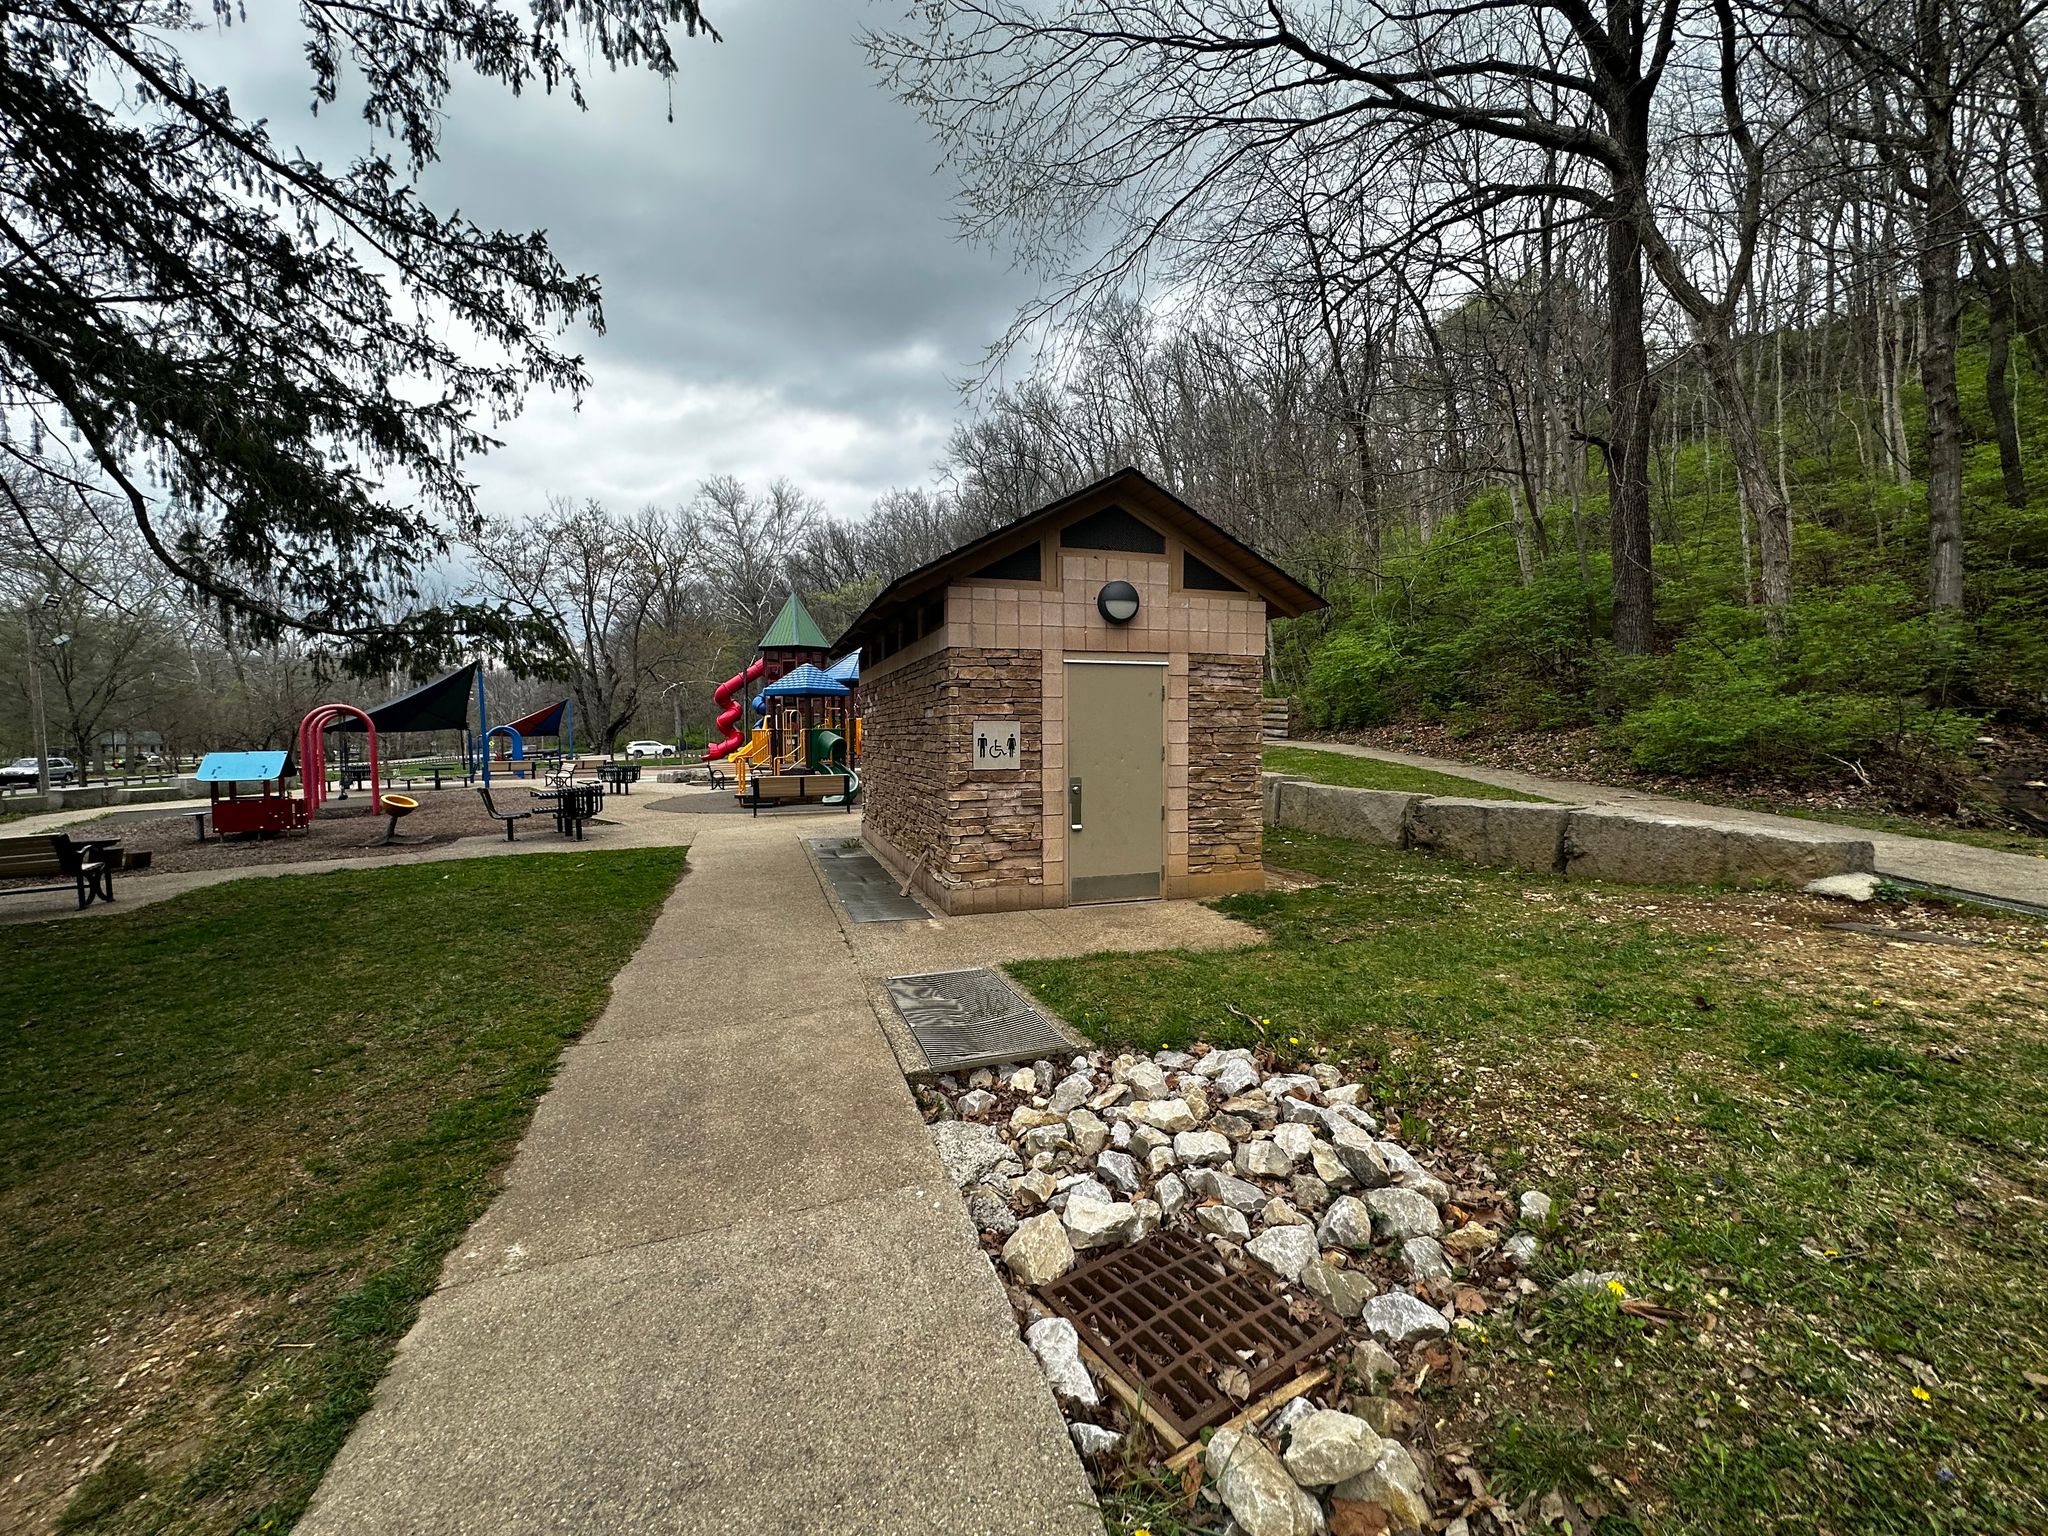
{"points": [[2013, 876], [727, 1287]]}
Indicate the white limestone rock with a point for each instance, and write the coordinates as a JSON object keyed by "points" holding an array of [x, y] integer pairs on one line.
{"points": [[1170, 1115], [1121, 1172], [1331, 1447], [1284, 1250], [1095, 1224], [1222, 1221], [1521, 1250], [1402, 1213], [1058, 1347], [1213, 1184], [1263, 1160], [1278, 1213], [1854, 887], [1346, 1224], [1071, 1093], [1172, 1195], [1394, 1483], [975, 1102], [1257, 1489], [1534, 1208], [1197, 1148], [1039, 1250], [1344, 1291], [1424, 1260], [1363, 1158], [1294, 1139], [1093, 1439], [1145, 1080], [1399, 1318]]}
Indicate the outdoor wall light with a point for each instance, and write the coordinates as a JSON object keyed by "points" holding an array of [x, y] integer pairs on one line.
{"points": [[1117, 602]]}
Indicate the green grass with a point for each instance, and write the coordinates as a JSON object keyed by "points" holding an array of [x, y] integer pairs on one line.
{"points": [[1375, 773], [1839, 1189], [238, 1131]]}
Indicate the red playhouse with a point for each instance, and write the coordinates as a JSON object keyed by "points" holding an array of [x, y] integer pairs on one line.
{"points": [[248, 793]]}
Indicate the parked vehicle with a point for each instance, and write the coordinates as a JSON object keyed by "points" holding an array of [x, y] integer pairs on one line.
{"points": [[23, 771], [649, 749]]}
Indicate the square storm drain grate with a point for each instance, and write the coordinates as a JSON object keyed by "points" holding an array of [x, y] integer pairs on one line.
{"points": [[1169, 1318], [964, 1019]]}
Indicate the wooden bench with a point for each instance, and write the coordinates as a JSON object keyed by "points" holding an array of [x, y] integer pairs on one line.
{"points": [[773, 789], [88, 865]]}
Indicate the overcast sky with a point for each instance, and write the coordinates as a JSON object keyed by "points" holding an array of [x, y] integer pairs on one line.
{"points": [[783, 290]]}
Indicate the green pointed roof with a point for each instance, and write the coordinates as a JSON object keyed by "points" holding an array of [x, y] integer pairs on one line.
{"points": [[794, 629]]}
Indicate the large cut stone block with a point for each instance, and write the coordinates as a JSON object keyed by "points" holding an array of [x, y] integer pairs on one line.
{"points": [[1375, 816], [1506, 834], [1662, 850]]}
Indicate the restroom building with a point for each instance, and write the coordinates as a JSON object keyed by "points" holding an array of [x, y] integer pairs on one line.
{"points": [[1066, 710]]}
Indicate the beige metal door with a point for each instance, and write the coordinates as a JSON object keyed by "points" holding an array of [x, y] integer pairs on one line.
{"points": [[1116, 779]]}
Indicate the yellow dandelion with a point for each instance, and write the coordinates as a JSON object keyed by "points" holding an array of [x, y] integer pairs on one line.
{"points": [[1635, 1074], [1923, 1395], [1294, 1040], [1617, 1287]]}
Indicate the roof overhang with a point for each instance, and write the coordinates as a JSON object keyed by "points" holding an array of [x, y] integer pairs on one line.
{"points": [[1285, 598]]}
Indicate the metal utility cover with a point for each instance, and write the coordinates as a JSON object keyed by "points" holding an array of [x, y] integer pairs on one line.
{"points": [[963, 1019], [869, 892], [1169, 1317]]}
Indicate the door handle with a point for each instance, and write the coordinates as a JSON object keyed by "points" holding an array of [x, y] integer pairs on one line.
{"points": [[1074, 805]]}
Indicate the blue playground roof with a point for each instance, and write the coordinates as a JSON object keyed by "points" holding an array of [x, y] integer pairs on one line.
{"points": [[805, 681], [846, 669], [240, 767]]}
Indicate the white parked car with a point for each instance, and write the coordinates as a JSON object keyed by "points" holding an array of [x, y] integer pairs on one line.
{"points": [[23, 771], [649, 749]]}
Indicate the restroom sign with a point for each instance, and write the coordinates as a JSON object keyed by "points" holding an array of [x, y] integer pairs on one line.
{"points": [[997, 744]]}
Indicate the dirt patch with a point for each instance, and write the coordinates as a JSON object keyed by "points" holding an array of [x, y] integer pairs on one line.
{"points": [[343, 830]]}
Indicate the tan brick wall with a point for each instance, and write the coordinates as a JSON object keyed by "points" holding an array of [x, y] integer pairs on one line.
{"points": [[1224, 825]]}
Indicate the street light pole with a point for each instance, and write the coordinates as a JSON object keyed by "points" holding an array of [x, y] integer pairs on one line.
{"points": [[35, 693]]}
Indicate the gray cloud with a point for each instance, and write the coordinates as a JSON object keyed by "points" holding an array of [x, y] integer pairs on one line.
{"points": [[783, 290]]}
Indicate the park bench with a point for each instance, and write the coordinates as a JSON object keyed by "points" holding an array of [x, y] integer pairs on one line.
{"points": [[87, 865], [772, 789], [507, 817]]}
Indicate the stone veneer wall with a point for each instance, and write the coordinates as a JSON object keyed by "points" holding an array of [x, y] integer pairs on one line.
{"points": [[1225, 829], [994, 857], [901, 716]]}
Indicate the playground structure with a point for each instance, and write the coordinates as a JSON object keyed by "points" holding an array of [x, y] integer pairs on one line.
{"points": [[803, 721], [269, 810]]}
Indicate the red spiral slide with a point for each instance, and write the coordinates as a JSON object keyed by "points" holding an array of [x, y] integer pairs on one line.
{"points": [[729, 717]]}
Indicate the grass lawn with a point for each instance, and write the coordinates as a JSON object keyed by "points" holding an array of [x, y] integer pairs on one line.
{"points": [[1823, 1152], [238, 1132], [1372, 773]]}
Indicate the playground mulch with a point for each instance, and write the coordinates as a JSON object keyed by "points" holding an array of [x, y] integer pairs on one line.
{"points": [[344, 829]]}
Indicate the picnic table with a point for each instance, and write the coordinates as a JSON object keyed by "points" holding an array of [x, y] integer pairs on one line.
{"points": [[571, 805]]}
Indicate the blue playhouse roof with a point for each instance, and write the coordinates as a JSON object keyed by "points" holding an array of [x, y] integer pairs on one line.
{"points": [[240, 767], [846, 669], [805, 681]]}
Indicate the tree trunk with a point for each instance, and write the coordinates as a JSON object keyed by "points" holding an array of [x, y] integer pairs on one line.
{"points": [[1754, 482], [1631, 406], [1940, 324], [1997, 395]]}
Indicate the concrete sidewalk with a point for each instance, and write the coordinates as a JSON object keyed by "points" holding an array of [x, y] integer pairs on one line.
{"points": [[2013, 876], [727, 1287]]}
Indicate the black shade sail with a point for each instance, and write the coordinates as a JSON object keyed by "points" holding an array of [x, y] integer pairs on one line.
{"points": [[442, 705]]}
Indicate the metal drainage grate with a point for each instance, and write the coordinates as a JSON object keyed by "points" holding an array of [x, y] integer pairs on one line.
{"points": [[869, 892], [964, 1019], [1169, 1318]]}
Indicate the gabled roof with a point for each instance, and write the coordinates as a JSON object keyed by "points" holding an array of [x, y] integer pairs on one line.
{"points": [[794, 629], [542, 722], [1285, 597]]}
